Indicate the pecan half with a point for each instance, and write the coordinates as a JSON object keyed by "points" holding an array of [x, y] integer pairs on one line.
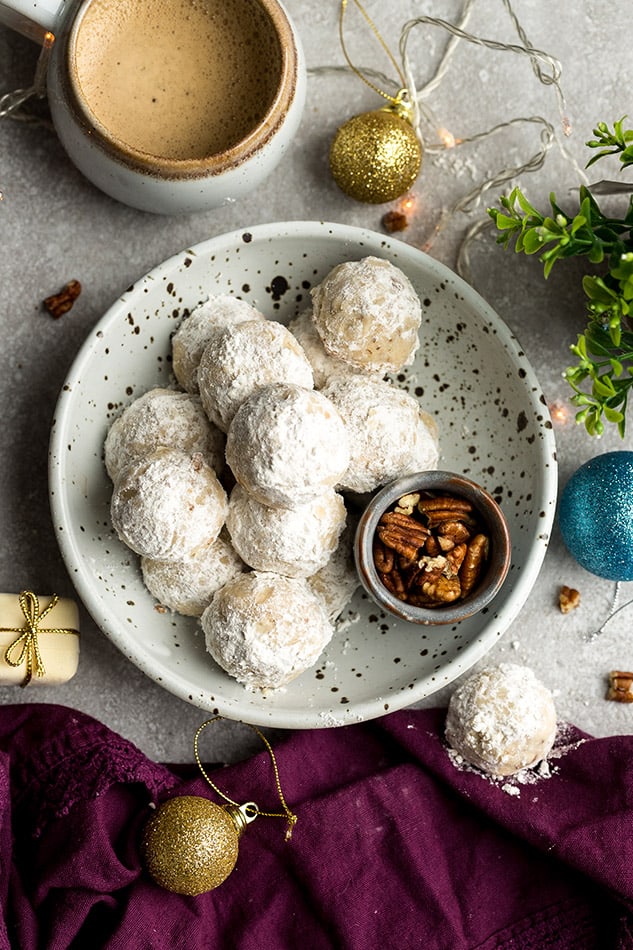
{"points": [[620, 686], [59, 304], [476, 555]]}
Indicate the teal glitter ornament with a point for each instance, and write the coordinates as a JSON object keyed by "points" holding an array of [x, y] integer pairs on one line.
{"points": [[596, 516]]}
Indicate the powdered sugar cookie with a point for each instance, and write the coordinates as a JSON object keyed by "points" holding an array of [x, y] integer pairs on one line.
{"points": [[241, 358], [265, 629], [187, 586], [502, 719], [162, 417], [324, 366], [337, 580], [287, 445], [291, 541], [389, 434], [194, 332], [168, 504], [368, 314]]}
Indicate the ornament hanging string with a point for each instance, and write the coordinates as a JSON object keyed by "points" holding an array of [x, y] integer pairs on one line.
{"points": [[251, 808], [546, 68]]}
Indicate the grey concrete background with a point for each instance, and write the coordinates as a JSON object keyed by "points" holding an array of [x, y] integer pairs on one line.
{"points": [[55, 226]]}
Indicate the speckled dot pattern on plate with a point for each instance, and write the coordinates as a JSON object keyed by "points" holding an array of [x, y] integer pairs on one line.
{"points": [[470, 373]]}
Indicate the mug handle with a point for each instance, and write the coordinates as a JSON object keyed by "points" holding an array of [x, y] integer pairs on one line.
{"points": [[35, 19]]}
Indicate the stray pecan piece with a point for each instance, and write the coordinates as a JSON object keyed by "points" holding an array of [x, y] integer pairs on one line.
{"points": [[620, 687], [568, 599], [394, 221], [59, 304]]}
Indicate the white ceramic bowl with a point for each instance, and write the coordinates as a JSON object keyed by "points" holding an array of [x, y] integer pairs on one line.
{"points": [[470, 373]]}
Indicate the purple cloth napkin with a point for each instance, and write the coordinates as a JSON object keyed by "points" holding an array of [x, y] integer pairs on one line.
{"points": [[395, 847]]}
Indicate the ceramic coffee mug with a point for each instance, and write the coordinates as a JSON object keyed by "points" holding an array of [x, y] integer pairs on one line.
{"points": [[170, 105]]}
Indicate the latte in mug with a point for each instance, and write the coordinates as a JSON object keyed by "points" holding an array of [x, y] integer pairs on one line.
{"points": [[176, 79], [169, 106]]}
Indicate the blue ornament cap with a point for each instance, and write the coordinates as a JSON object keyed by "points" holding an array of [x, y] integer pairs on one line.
{"points": [[596, 516]]}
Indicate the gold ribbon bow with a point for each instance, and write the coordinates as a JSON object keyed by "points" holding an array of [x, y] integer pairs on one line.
{"points": [[27, 640]]}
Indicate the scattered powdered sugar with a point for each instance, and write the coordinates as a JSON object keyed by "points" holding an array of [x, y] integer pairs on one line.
{"points": [[538, 772]]}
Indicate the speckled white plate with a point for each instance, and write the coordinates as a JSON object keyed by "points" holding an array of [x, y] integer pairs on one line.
{"points": [[470, 373]]}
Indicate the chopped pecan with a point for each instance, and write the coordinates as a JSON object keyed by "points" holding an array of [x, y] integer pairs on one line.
{"points": [[432, 546], [455, 558], [393, 582], [394, 221], [59, 304], [568, 599], [455, 531], [620, 686], [406, 505], [397, 540], [442, 589], [449, 502]]}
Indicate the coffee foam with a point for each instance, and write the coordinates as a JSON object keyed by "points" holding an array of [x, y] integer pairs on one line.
{"points": [[179, 79]]}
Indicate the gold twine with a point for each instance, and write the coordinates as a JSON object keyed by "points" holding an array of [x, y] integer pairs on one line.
{"points": [[27, 640], [400, 102], [290, 817]]}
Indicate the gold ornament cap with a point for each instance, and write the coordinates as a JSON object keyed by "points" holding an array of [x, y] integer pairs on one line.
{"points": [[375, 157], [190, 845]]}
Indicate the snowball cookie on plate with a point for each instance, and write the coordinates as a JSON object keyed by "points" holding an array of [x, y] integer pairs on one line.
{"points": [[162, 417], [291, 541], [195, 330], [239, 359], [502, 719], [187, 586], [287, 445], [264, 629], [168, 504], [323, 365], [389, 434], [368, 314], [336, 582]]}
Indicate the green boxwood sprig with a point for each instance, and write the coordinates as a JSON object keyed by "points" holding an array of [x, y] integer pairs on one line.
{"points": [[603, 376]]}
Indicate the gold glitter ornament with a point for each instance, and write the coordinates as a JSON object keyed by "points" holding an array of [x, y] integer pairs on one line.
{"points": [[190, 845], [376, 156]]}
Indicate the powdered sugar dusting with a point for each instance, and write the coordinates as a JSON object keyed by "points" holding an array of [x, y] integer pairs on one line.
{"points": [[195, 331]]}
